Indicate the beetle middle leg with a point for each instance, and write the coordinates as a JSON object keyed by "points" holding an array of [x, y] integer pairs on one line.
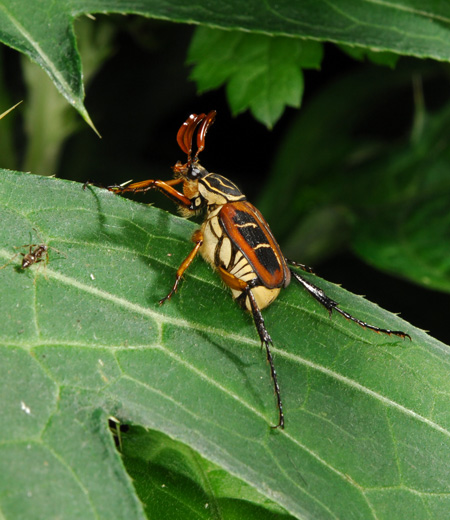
{"points": [[197, 237], [331, 306]]}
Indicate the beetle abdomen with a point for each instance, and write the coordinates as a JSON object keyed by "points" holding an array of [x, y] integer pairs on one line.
{"points": [[244, 253], [246, 228]]}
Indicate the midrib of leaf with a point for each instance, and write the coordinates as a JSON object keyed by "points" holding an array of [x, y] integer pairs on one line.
{"points": [[162, 319]]}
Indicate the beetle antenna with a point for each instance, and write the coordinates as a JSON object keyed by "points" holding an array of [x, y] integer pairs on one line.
{"points": [[185, 135], [201, 134]]}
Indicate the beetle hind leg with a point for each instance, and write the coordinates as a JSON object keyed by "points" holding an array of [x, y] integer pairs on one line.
{"points": [[266, 340], [331, 306], [303, 267], [378, 330]]}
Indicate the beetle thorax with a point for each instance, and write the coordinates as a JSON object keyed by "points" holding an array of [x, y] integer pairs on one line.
{"points": [[190, 188], [218, 190]]}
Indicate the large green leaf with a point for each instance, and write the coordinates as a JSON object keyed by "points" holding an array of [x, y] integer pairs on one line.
{"points": [[83, 338], [44, 31]]}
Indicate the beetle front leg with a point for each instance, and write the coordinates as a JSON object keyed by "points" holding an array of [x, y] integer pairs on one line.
{"points": [[197, 237], [164, 187]]}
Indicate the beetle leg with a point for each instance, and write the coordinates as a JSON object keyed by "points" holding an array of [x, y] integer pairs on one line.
{"points": [[197, 237], [303, 267], [239, 285], [164, 187], [331, 306], [266, 340]]}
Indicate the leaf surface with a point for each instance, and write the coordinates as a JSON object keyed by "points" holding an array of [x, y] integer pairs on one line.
{"points": [[83, 338]]}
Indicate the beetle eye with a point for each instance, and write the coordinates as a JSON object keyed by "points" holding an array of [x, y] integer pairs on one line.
{"points": [[194, 172]]}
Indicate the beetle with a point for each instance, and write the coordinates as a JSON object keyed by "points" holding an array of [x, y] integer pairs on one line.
{"points": [[234, 239]]}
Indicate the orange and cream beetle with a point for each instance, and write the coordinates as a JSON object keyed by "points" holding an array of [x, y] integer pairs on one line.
{"points": [[234, 238]]}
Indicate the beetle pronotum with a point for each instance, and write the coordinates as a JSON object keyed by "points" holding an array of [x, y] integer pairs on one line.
{"points": [[234, 238]]}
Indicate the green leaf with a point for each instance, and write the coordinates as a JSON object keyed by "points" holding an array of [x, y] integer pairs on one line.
{"points": [[169, 476], [408, 233], [44, 31], [83, 338], [379, 58], [261, 73], [412, 242], [398, 26]]}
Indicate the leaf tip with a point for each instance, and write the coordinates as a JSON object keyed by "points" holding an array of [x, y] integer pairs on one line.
{"points": [[84, 114]]}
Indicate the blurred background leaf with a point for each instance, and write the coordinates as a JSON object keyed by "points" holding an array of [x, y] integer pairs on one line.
{"points": [[45, 32], [385, 197], [261, 73]]}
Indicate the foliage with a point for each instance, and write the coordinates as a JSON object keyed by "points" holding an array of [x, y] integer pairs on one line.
{"points": [[362, 165], [261, 73], [85, 338]]}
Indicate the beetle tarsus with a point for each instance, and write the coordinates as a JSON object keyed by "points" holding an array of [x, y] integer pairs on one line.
{"points": [[365, 325], [172, 292], [331, 306]]}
